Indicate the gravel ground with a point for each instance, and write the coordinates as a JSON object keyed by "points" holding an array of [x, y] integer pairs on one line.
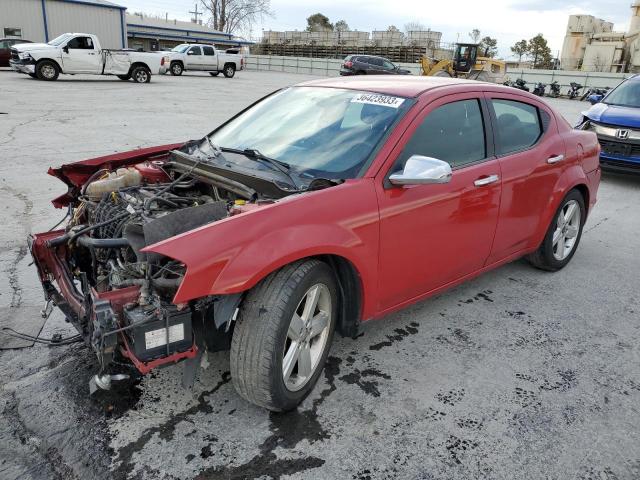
{"points": [[517, 374]]}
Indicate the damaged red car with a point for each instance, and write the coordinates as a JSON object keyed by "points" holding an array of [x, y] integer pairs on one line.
{"points": [[320, 207]]}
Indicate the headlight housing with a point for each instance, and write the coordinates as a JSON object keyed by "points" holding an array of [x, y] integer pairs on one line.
{"points": [[24, 56]]}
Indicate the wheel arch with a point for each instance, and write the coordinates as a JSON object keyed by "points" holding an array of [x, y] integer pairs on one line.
{"points": [[350, 291], [138, 64], [573, 179], [40, 60]]}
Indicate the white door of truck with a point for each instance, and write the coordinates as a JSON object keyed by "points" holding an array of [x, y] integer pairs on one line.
{"points": [[195, 59], [211, 58], [81, 56]]}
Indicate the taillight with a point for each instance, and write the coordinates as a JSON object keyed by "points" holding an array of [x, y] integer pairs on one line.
{"points": [[348, 64], [162, 61]]}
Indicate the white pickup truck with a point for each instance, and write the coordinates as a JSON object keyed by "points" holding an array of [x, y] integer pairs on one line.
{"points": [[203, 58], [73, 53]]}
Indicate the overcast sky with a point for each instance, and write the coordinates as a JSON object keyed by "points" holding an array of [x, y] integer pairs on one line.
{"points": [[506, 20]]}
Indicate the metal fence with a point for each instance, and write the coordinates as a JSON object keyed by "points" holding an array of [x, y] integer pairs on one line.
{"points": [[331, 67]]}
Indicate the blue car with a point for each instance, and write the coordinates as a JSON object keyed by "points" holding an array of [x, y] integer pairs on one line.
{"points": [[615, 118]]}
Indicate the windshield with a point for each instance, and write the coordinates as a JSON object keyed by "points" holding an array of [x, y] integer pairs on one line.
{"points": [[627, 94], [180, 48], [60, 40], [324, 132]]}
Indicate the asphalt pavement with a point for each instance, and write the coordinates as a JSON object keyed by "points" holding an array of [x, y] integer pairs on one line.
{"points": [[516, 374]]}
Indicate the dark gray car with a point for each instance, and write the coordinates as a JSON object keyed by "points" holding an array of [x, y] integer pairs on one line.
{"points": [[370, 65]]}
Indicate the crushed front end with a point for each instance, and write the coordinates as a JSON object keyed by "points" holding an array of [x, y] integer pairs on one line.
{"points": [[119, 297]]}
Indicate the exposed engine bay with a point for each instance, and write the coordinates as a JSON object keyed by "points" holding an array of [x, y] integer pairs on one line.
{"points": [[119, 296]]}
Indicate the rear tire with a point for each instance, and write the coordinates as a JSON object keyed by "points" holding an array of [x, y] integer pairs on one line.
{"points": [[214, 74], [176, 69], [124, 77], [47, 70], [229, 70], [141, 74], [563, 236], [280, 343], [482, 77]]}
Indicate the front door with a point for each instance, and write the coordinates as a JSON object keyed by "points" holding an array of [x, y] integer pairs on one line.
{"points": [[432, 235], [195, 59], [81, 56]]}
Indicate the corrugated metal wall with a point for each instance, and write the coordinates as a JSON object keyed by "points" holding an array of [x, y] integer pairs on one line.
{"points": [[72, 17], [62, 17], [24, 14]]}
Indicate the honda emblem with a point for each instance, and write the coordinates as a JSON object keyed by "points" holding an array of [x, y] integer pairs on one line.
{"points": [[622, 134]]}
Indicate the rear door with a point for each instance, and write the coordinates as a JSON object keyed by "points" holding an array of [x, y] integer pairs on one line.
{"points": [[210, 58], [432, 235], [195, 59], [532, 158], [375, 64], [81, 56]]}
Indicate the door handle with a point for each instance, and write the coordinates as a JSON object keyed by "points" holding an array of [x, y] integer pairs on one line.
{"points": [[555, 159], [481, 182]]}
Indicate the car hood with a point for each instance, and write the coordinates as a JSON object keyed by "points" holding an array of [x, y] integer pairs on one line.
{"points": [[614, 115], [29, 47]]}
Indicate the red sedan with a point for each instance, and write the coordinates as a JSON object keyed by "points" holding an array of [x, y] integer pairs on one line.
{"points": [[322, 206]]}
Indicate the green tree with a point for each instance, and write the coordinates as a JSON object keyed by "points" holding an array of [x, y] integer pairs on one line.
{"points": [[488, 47], [520, 48], [341, 26], [474, 35], [540, 52], [318, 23]]}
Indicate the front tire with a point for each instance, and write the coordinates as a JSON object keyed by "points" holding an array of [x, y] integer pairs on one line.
{"points": [[283, 335], [47, 70], [563, 236], [124, 78], [214, 74], [229, 70], [141, 75]]}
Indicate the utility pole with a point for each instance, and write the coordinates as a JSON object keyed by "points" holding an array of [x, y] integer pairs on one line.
{"points": [[195, 13]]}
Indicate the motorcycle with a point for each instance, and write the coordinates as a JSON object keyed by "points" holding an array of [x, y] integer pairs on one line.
{"points": [[539, 89], [573, 91], [521, 85], [594, 91], [555, 89]]}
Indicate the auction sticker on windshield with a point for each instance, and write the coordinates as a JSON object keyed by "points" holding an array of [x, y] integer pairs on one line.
{"points": [[375, 99]]}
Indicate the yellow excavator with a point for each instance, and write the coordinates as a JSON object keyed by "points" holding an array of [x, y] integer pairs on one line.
{"points": [[466, 64]]}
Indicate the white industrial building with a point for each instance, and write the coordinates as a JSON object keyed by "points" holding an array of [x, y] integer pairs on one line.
{"points": [[43, 20], [590, 44]]}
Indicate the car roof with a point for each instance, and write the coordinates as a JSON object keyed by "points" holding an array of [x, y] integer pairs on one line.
{"points": [[401, 85]]}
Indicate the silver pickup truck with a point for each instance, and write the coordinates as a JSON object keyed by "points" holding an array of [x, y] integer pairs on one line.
{"points": [[203, 58], [73, 53]]}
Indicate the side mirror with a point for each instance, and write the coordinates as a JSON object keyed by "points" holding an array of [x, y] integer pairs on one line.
{"points": [[595, 98], [421, 170], [65, 49], [191, 52]]}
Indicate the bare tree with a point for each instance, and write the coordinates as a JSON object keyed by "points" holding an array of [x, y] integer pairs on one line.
{"points": [[474, 35], [414, 27], [230, 16]]}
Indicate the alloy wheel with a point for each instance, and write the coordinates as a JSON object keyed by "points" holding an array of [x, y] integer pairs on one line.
{"points": [[567, 229], [48, 71], [306, 337]]}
